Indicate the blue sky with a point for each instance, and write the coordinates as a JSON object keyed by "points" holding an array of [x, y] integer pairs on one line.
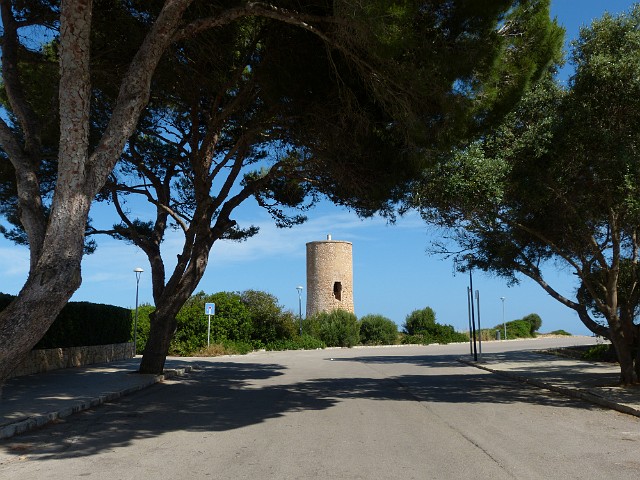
{"points": [[393, 273]]}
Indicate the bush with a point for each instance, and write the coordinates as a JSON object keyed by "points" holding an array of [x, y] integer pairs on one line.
{"points": [[421, 327], [231, 322], [419, 321], [535, 322], [305, 342], [560, 332], [338, 328], [270, 322], [378, 330], [144, 311], [601, 353], [519, 329], [436, 334]]}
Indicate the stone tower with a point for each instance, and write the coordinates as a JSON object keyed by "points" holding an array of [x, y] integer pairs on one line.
{"points": [[329, 276]]}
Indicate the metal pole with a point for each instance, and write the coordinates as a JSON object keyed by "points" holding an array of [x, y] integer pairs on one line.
{"points": [[479, 327], [138, 271], [469, 312], [503, 322], [208, 330], [473, 318], [299, 288]]}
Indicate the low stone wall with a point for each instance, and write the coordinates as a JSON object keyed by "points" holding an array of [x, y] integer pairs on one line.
{"points": [[39, 361]]}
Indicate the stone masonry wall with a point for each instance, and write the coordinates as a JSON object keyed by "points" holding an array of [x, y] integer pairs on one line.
{"points": [[329, 276], [39, 361]]}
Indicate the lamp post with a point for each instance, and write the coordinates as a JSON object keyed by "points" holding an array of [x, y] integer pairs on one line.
{"points": [[503, 322], [138, 271], [299, 288]]}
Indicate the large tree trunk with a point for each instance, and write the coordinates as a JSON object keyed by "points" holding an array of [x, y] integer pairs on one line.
{"points": [[163, 320], [626, 358], [160, 335], [55, 263], [48, 288], [55, 270]]}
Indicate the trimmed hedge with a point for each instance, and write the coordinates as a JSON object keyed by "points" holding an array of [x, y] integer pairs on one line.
{"points": [[84, 324]]}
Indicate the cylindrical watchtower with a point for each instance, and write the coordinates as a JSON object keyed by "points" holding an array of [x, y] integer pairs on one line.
{"points": [[329, 276]]}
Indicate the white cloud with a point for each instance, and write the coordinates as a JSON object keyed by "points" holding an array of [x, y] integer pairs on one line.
{"points": [[15, 261]]}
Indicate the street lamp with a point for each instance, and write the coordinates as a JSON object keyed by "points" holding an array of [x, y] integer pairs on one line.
{"points": [[299, 288], [138, 271], [503, 322]]}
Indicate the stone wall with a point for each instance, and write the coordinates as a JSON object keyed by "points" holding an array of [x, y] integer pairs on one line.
{"points": [[39, 361]]}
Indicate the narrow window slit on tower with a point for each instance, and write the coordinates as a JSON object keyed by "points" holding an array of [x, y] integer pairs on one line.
{"points": [[337, 290]]}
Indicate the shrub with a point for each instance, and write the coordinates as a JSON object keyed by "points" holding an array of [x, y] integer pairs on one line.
{"points": [[436, 334], [231, 322], [601, 353], [419, 321], [535, 322], [304, 342], [270, 322], [519, 329], [560, 332], [378, 330], [144, 311], [421, 327], [338, 328]]}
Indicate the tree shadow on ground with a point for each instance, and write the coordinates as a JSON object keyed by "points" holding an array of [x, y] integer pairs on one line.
{"points": [[226, 396]]}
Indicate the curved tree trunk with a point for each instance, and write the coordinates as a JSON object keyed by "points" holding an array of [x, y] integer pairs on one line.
{"points": [[155, 352], [184, 281]]}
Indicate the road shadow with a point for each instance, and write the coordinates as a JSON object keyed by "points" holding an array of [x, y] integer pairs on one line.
{"points": [[225, 396]]}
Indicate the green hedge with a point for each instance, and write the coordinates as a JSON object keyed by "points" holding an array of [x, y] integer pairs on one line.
{"points": [[378, 330], [338, 328], [84, 324]]}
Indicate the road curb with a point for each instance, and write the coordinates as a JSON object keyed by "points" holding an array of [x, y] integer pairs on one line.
{"points": [[36, 421], [578, 393]]}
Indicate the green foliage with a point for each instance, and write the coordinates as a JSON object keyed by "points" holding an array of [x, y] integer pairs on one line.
{"points": [[560, 332], [231, 322], [421, 327], [558, 180], [226, 347], [84, 324], [304, 342], [144, 311], [338, 328], [242, 323], [535, 321], [519, 329], [378, 330], [269, 320], [419, 321], [437, 333], [603, 353]]}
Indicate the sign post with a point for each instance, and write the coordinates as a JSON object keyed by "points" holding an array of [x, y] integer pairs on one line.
{"points": [[209, 309]]}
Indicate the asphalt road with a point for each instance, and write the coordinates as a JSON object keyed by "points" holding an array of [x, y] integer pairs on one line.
{"points": [[371, 413]]}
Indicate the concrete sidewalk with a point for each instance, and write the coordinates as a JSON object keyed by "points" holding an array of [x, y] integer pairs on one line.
{"points": [[595, 382], [31, 401]]}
